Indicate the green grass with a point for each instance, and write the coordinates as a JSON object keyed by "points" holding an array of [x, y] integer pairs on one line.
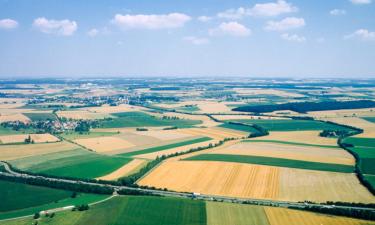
{"points": [[166, 147], [293, 143], [293, 125], [40, 116], [92, 134], [139, 119], [77, 164], [269, 161], [361, 142], [80, 199], [18, 196], [239, 127], [370, 179], [9, 131], [365, 149], [371, 119], [132, 210]]}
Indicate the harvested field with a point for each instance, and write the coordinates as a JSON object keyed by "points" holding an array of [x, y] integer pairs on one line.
{"points": [[165, 135], [218, 133], [129, 168], [20, 138], [104, 144], [206, 121], [256, 91], [286, 151], [366, 112], [306, 137], [217, 178], [40, 116], [14, 117], [10, 152], [81, 115], [281, 216], [114, 109], [204, 106]]}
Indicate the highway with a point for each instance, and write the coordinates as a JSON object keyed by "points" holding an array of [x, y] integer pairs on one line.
{"points": [[9, 172]]}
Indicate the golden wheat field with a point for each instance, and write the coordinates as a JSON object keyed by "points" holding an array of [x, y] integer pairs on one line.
{"points": [[19, 138], [14, 117], [81, 115], [129, 168], [104, 144]]}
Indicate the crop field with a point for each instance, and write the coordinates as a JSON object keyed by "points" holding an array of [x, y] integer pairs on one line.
{"points": [[302, 137], [104, 144], [40, 116], [81, 115], [11, 152], [167, 147], [20, 138], [280, 162], [257, 181], [18, 196], [371, 119], [368, 127], [14, 117], [140, 119], [132, 167], [288, 151], [293, 125], [91, 134], [239, 127], [218, 133], [7, 131]]}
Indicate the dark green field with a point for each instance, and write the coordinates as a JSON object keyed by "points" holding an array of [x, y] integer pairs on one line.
{"points": [[361, 142], [292, 143], [15, 196], [239, 127], [40, 116], [166, 147], [274, 162], [292, 125], [371, 119], [139, 119]]}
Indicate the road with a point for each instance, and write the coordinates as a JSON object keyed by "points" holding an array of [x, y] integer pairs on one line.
{"points": [[11, 173]]}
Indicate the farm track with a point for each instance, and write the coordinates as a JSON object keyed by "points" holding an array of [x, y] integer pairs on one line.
{"points": [[9, 172]]}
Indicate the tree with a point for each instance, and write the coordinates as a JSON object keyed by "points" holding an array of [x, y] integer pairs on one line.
{"points": [[36, 215]]}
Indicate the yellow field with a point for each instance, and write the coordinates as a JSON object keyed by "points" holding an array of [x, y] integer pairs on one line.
{"points": [[125, 170], [216, 178], [247, 117], [106, 109], [81, 115], [281, 216], [10, 152], [164, 135], [307, 137], [206, 121], [204, 106], [215, 132], [104, 144], [37, 138], [369, 112], [14, 117], [256, 181], [305, 153], [255, 91], [368, 127]]}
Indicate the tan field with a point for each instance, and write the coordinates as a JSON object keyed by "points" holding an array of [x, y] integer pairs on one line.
{"points": [[204, 106], [254, 91], [81, 115], [14, 117], [10, 152], [305, 153], [165, 135], [206, 121], [37, 138], [281, 216], [104, 144], [129, 168], [368, 112], [306, 137], [106, 109], [247, 117], [368, 127], [256, 181], [215, 132]]}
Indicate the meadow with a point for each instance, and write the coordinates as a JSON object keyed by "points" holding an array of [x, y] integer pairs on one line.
{"points": [[40, 116], [140, 119], [269, 161]]}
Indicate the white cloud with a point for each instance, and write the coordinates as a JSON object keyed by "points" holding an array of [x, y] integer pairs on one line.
{"points": [[272, 8], [362, 34], [232, 29], [337, 12], [196, 40], [93, 32], [151, 22], [59, 27], [285, 24], [233, 14], [361, 2], [8, 24], [293, 37], [204, 19]]}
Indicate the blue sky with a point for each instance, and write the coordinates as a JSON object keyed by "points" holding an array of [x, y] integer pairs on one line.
{"points": [[261, 38]]}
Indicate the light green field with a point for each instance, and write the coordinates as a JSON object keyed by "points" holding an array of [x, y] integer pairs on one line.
{"points": [[91, 134]]}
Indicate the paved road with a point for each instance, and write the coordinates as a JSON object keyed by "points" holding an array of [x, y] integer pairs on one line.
{"points": [[11, 173]]}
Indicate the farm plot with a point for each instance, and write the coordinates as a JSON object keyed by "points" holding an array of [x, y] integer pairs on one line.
{"points": [[239, 127], [293, 125], [11, 152], [257, 181], [132, 167], [35, 138], [40, 116], [218, 133], [140, 119], [81, 115], [14, 117], [303, 137], [289, 151], [104, 144]]}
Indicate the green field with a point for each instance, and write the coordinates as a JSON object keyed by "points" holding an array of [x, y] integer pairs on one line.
{"points": [[166, 147], [371, 119], [292, 125], [269, 161], [77, 163], [139, 119], [361, 142], [9, 131], [292, 143], [91, 134], [192, 108], [239, 127], [18, 196], [40, 116]]}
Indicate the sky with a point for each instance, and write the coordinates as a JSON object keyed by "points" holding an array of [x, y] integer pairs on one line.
{"points": [[226, 38]]}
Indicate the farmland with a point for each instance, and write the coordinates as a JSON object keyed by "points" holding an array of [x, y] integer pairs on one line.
{"points": [[40, 116]]}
